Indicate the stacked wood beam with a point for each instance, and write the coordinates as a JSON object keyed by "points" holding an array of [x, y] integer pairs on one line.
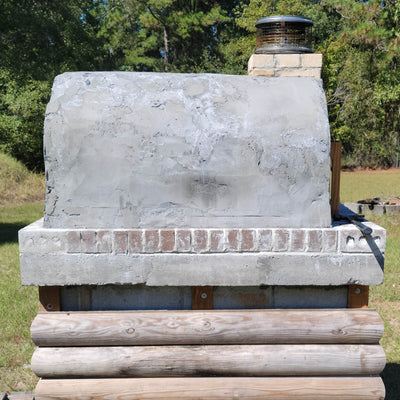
{"points": [[241, 354]]}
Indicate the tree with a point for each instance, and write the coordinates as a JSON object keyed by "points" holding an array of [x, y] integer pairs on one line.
{"points": [[38, 40], [163, 35], [362, 80]]}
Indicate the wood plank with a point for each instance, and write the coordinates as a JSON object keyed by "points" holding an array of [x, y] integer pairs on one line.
{"points": [[117, 328], [336, 159], [301, 388], [357, 296], [202, 297], [49, 298], [195, 360]]}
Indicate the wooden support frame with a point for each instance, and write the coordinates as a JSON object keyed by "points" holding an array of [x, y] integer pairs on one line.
{"points": [[49, 298], [357, 296], [202, 297], [336, 161]]}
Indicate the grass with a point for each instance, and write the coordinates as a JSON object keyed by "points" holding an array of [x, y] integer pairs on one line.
{"points": [[17, 184], [386, 299], [362, 185], [18, 305]]}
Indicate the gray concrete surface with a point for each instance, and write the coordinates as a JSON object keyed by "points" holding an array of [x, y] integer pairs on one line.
{"points": [[140, 150], [240, 269]]}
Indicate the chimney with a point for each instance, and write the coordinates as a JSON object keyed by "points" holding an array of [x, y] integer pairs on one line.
{"points": [[284, 48]]}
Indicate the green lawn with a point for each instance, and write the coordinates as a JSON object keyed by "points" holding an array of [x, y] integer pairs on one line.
{"points": [[369, 184], [19, 305]]}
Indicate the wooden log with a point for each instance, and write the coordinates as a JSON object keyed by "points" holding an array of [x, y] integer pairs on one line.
{"points": [[206, 327], [227, 360], [301, 388]]}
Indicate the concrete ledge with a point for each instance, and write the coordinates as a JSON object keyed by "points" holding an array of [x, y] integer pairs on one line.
{"points": [[322, 257], [201, 269]]}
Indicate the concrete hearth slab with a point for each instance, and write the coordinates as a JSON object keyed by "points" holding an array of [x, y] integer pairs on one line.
{"points": [[201, 269], [331, 256]]}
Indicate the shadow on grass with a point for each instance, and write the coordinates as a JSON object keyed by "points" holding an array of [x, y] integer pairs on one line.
{"points": [[391, 379], [9, 232]]}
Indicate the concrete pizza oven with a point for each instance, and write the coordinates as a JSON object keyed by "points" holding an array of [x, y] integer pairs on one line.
{"points": [[187, 248]]}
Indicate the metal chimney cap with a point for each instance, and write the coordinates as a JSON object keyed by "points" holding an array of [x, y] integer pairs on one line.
{"points": [[285, 18], [283, 34]]}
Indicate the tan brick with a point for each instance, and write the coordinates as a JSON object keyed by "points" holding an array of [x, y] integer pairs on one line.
{"points": [[287, 60], [183, 240], [232, 240], [88, 241], [135, 241], [311, 60], [280, 240], [297, 240], [151, 241], [248, 240], [313, 72], [200, 238], [103, 241], [167, 237], [261, 61], [120, 242], [264, 239], [217, 244], [262, 72], [314, 240]]}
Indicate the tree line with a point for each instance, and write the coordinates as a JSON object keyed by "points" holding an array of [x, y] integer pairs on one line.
{"points": [[359, 40]]}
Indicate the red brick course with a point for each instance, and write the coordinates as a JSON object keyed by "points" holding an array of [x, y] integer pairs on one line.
{"points": [[248, 240], [217, 241], [151, 241], [167, 237], [201, 240], [264, 239], [233, 241], [135, 241], [120, 240], [281, 240], [183, 240]]}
